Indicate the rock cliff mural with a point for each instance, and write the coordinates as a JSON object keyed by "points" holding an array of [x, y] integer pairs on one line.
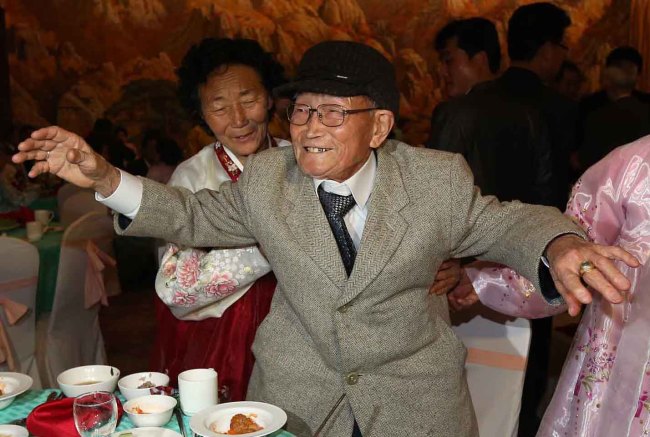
{"points": [[72, 61]]}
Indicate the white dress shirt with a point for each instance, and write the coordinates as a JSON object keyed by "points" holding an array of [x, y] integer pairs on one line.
{"points": [[128, 195]]}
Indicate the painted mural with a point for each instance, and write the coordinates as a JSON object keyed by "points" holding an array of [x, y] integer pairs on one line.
{"points": [[72, 61]]}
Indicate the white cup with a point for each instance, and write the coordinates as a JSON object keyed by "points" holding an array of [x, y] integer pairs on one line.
{"points": [[34, 231], [198, 389], [44, 216]]}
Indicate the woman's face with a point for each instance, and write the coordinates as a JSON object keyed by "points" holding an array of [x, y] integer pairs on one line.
{"points": [[235, 105]]}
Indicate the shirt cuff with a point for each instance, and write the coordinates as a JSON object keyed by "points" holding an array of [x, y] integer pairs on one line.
{"points": [[126, 198]]}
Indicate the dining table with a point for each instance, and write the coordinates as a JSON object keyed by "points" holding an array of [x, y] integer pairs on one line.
{"points": [[26, 402]]}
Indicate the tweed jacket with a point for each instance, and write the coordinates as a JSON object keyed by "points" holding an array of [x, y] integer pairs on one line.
{"points": [[377, 336]]}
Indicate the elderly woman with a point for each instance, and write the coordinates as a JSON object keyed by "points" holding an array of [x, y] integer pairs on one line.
{"points": [[604, 387], [211, 302]]}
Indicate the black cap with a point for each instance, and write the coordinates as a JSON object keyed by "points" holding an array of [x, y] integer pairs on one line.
{"points": [[345, 69]]}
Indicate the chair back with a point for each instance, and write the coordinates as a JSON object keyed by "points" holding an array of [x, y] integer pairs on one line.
{"points": [[497, 352], [74, 336], [18, 283], [77, 204]]}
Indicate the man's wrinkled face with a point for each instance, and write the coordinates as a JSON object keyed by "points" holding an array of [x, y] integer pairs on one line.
{"points": [[334, 153], [459, 72]]}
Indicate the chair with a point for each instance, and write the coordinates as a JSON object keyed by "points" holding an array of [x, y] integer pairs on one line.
{"points": [[74, 205], [497, 351], [18, 282], [73, 335]]}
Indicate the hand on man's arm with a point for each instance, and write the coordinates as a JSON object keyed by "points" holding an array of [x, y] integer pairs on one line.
{"points": [[69, 157], [565, 255]]}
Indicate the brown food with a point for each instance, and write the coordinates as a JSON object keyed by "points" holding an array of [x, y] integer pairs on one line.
{"points": [[147, 384], [241, 424]]}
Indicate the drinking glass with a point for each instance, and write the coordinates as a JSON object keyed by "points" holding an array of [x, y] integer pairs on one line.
{"points": [[95, 414]]}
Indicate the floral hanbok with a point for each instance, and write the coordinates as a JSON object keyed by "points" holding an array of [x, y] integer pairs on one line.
{"points": [[604, 387], [211, 301]]}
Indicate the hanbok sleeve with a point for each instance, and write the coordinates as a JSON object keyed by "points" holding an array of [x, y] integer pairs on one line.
{"points": [[189, 280]]}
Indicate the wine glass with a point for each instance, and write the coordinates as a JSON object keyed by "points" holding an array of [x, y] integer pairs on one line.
{"points": [[95, 414]]}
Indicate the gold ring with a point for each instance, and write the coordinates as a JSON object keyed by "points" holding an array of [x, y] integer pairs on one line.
{"points": [[586, 267], [48, 155]]}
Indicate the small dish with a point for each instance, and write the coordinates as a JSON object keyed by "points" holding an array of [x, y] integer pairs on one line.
{"points": [[130, 383], [269, 417], [147, 431], [13, 431], [85, 379], [156, 410], [12, 384]]}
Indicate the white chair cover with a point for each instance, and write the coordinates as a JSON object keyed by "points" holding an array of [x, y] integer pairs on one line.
{"points": [[74, 336], [78, 204], [18, 282], [497, 351]]}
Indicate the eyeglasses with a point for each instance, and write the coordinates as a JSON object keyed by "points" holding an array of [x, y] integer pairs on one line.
{"points": [[330, 115]]}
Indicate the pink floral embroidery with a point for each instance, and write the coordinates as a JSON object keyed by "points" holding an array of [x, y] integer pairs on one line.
{"points": [[600, 361], [222, 285], [183, 298], [188, 271], [169, 269]]}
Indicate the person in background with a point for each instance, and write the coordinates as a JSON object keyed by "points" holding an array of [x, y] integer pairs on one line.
{"points": [[516, 134], [469, 54], [212, 301], [163, 160], [570, 81], [123, 135], [604, 385], [617, 114], [104, 140]]}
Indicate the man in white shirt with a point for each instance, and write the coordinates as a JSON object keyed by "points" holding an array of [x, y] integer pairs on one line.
{"points": [[352, 324]]}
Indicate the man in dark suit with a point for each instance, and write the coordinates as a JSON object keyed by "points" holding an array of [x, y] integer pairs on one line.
{"points": [[616, 115], [516, 134]]}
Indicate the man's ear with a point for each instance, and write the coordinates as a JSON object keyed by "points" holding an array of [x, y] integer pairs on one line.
{"points": [[384, 121]]}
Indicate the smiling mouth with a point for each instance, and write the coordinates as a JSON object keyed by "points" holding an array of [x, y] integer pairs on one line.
{"points": [[243, 137], [316, 149]]}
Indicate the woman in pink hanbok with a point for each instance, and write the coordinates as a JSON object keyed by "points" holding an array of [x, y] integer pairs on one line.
{"points": [[604, 387]]}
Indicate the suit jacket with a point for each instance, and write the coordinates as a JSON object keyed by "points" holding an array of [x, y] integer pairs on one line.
{"points": [[376, 336], [516, 135]]}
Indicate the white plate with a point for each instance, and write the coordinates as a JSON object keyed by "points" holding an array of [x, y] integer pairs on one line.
{"points": [[14, 384], [269, 416], [13, 431], [147, 432]]}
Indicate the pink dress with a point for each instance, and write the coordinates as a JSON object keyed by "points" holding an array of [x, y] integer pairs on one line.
{"points": [[604, 387]]}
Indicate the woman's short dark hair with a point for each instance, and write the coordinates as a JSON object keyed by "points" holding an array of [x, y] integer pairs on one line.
{"points": [[216, 54]]}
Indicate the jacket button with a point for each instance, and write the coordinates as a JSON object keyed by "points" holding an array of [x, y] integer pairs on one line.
{"points": [[352, 378]]}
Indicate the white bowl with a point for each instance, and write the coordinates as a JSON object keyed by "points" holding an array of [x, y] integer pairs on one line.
{"points": [[85, 379], [14, 431], [147, 432], [157, 410], [130, 383], [12, 384]]}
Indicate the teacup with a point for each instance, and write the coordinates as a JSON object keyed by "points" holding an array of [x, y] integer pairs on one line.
{"points": [[44, 216], [198, 389], [34, 231]]}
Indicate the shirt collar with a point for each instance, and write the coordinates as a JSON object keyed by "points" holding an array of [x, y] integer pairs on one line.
{"points": [[233, 157], [359, 184]]}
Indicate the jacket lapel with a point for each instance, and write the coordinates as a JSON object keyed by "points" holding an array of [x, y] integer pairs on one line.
{"points": [[311, 229], [385, 227]]}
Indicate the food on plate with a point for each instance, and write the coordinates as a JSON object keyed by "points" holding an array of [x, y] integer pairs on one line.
{"points": [[6, 435], [3, 391], [240, 424]]}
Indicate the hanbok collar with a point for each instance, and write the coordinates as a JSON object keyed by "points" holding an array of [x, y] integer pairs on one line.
{"points": [[229, 161]]}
